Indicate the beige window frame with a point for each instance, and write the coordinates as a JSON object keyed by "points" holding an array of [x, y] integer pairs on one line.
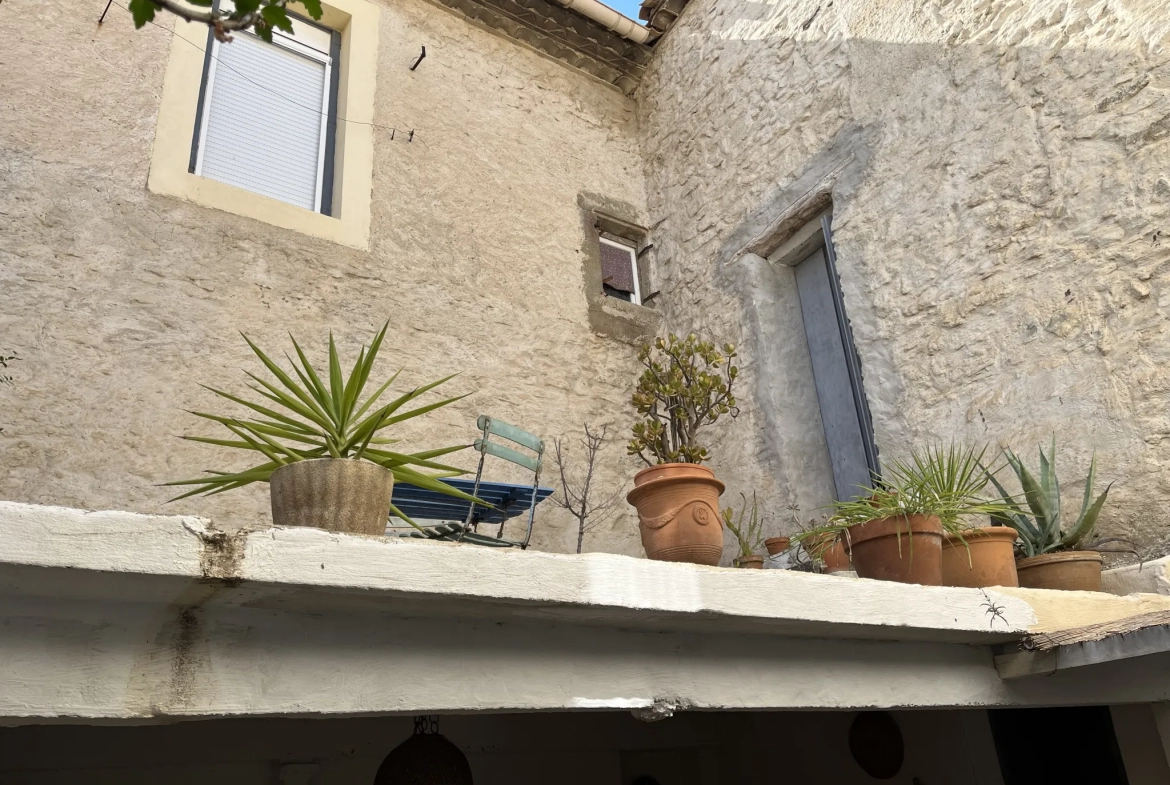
{"points": [[357, 21]]}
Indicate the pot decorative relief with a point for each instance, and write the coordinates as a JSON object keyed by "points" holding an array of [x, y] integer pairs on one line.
{"points": [[678, 512]]}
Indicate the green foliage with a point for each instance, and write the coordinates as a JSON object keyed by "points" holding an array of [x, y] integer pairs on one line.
{"points": [[747, 527], [686, 385], [1042, 532], [309, 417], [944, 482], [259, 16]]}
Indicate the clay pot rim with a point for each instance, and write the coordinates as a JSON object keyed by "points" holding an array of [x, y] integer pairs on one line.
{"points": [[330, 459], [660, 466], [1058, 557], [982, 534], [640, 490]]}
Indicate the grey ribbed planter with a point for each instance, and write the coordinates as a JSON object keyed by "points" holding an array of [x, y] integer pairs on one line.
{"points": [[337, 494]]}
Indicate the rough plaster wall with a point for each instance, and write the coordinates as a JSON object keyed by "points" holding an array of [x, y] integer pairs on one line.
{"points": [[1002, 253], [121, 302]]}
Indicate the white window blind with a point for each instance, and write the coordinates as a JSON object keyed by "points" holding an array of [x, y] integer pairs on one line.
{"points": [[264, 117]]}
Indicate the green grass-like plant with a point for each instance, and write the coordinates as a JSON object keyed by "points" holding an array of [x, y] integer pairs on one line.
{"points": [[747, 526], [1042, 533], [944, 482], [309, 417]]}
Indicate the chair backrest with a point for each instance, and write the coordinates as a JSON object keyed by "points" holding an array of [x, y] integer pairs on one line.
{"points": [[489, 427]]}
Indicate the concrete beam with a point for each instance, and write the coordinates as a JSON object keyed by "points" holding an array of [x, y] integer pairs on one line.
{"points": [[131, 618], [1141, 643]]}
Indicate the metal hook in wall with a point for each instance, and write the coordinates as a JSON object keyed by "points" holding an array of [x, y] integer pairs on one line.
{"points": [[420, 59]]}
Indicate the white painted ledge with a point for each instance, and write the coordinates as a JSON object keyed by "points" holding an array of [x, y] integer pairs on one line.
{"points": [[413, 577], [113, 616], [1152, 577]]}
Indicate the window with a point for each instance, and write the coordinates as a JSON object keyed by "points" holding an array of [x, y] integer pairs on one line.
{"points": [[836, 366], [619, 270], [267, 115]]}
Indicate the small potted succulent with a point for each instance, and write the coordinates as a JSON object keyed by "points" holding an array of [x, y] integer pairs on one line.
{"points": [[326, 457], [895, 531], [1052, 557], [748, 530], [686, 385]]}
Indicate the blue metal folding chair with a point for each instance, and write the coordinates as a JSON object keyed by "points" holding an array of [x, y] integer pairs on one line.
{"points": [[508, 500]]}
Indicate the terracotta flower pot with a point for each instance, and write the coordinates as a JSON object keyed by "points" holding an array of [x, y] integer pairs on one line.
{"points": [[678, 512], [836, 559], [750, 562], [906, 549], [1068, 570], [776, 545], [337, 494], [980, 558]]}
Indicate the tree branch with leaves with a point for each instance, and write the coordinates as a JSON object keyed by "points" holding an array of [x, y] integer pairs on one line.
{"points": [[262, 17], [580, 497]]}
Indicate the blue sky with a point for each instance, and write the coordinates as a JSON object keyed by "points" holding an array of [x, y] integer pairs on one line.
{"points": [[627, 7]]}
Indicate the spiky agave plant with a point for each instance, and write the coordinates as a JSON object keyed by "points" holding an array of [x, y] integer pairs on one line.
{"points": [[308, 417], [1042, 533]]}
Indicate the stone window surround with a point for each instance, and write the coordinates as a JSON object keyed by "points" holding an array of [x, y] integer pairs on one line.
{"points": [[357, 21], [610, 316]]}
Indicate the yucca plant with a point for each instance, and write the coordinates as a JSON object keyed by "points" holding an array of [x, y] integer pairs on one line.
{"points": [[1042, 533], [309, 417], [943, 482]]}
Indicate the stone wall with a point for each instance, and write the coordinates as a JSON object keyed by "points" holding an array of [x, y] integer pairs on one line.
{"points": [[1000, 214], [121, 302]]}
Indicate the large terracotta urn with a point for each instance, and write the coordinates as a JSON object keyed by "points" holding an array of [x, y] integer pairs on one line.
{"points": [[678, 512]]}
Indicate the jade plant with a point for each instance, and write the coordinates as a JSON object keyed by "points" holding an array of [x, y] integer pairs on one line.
{"points": [[686, 385], [311, 416], [1042, 532], [748, 527]]}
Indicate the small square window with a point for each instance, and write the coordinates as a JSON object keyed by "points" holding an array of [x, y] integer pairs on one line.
{"points": [[619, 271], [267, 115]]}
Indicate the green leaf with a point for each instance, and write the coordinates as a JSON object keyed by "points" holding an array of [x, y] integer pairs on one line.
{"points": [[400, 514], [261, 409], [277, 395], [1087, 521], [276, 16], [245, 7], [314, 8], [279, 373], [352, 387], [320, 394], [377, 394], [142, 11], [335, 383], [430, 483], [1033, 495]]}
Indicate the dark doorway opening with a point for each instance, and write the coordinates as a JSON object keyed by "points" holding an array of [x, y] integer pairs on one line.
{"points": [[1068, 745]]}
